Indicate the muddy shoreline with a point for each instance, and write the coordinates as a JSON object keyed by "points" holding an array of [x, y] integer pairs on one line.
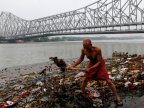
{"points": [[127, 72]]}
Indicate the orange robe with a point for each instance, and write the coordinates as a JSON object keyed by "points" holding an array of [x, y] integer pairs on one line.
{"points": [[100, 73]]}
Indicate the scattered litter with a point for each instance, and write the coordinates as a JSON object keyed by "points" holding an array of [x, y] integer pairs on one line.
{"points": [[59, 89]]}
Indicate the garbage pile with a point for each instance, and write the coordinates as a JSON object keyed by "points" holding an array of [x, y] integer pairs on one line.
{"points": [[58, 89], [38, 91], [127, 72]]}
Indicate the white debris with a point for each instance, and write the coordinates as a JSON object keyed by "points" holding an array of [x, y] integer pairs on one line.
{"points": [[39, 83], [80, 74], [127, 83]]}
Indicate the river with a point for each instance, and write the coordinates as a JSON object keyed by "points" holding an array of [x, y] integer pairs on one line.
{"points": [[18, 54]]}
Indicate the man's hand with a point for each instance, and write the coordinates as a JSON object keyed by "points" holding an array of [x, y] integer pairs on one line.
{"points": [[87, 70], [70, 66]]}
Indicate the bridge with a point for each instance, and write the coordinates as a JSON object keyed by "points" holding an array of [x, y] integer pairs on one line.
{"points": [[100, 17]]}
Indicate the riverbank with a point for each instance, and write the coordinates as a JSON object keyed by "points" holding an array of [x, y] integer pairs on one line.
{"points": [[11, 73], [28, 89]]}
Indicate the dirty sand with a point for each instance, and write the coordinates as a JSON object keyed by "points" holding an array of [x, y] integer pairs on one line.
{"points": [[10, 73]]}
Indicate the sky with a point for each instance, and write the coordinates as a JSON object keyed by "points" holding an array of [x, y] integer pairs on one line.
{"points": [[34, 9]]}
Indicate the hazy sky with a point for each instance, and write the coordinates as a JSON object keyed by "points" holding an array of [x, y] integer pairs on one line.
{"points": [[33, 9]]}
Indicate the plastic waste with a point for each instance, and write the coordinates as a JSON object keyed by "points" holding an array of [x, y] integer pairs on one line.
{"points": [[39, 83], [80, 74], [18, 87], [44, 99], [136, 83], [65, 92], [16, 98], [127, 83], [93, 93], [61, 81], [25, 93], [97, 102], [8, 104], [35, 90]]}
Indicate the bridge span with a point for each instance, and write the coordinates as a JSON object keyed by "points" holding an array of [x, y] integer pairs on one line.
{"points": [[100, 17]]}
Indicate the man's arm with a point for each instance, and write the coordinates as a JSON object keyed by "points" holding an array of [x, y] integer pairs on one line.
{"points": [[81, 58]]}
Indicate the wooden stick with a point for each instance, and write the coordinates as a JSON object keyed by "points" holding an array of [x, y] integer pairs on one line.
{"points": [[77, 69]]}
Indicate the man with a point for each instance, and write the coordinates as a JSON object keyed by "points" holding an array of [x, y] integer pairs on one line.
{"points": [[96, 69]]}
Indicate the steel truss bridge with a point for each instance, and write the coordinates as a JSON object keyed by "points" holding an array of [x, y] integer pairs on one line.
{"points": [[100, 17]]}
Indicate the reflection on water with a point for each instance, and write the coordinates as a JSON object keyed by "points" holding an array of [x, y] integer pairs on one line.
{"points": [[29, 53]]}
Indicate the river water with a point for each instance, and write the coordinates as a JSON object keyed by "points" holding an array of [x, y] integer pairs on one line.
{"points": [[29, 53]]}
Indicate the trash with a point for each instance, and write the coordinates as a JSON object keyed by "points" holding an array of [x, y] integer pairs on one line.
{"points": [[31, 105], [61, 81], [78, 91], [44, 99], [8, 104], [97, 102], [25, 93], [39, 83], [16, 98], [127, 83], [45, 90], [136, 83], [35, 90], [80, 74], [93, 93], [62, 89], [18, 87]]}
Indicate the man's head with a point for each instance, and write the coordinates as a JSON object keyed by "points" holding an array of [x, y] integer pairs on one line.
{"points": [[87, 44]]}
